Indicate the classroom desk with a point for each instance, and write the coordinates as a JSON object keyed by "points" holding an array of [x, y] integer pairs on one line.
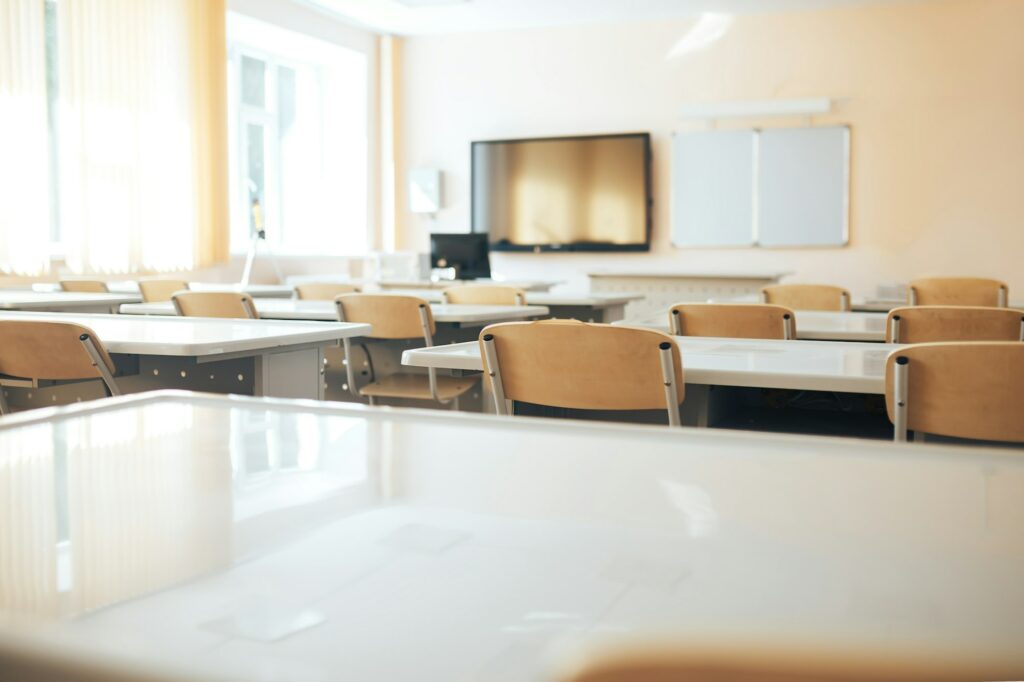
{"points": [[278, 309], [810, 324], [666, 287], [132, 287], [370, 285], [63, 301], [255, 357], [246, 539], [604, 308]]}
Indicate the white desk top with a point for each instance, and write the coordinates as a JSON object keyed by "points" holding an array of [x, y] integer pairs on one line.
{"points": [[290, 309], [545, 298], [803, 365], [810, 324], [132, 287], [413, 283], [17, 299], [194, 336], [692, 274], [260, 539]]}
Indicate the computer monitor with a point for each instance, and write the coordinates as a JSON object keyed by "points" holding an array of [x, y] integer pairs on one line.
{"points": [[467, 253]]}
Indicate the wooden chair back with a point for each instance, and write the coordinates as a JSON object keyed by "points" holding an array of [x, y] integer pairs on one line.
{"points": [[972, 291], [686, 661], [392, 317], [31, 349], [480, 294], [566, 363], [739, 321], [324, 291], [229, 305], [807, 296], [970, 389], [928, 324], [84, 286], [157, 290]]}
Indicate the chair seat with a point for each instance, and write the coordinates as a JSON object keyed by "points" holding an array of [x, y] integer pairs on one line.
{"points": [[417, 387]]}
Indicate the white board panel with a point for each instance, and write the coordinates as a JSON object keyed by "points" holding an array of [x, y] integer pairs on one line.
{"points": [[803, 187], [713, 175]]}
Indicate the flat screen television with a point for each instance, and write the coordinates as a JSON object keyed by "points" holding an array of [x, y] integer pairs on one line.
{"points": [[590, 193]]}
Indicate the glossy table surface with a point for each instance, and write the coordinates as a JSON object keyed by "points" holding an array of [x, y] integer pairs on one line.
{"points": [[545, 298], [291, 309], [18, 299], [810, 324], [195, 336], [276, 540], [132, 287], [847, 367]]}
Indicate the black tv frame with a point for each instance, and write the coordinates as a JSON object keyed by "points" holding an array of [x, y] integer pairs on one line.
{"points": [[578, 246]]}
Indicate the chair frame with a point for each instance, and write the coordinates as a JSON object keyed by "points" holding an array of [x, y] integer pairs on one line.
{"points": [[894, 328], [1002, 296], [247, 305], [89, 344], [845, 304], [519, 296], [668, 372], [788, 333], [428, 339]]}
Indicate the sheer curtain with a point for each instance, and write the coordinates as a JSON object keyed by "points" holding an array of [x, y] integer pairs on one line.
{"points": [[24, 171], [142, 160]]}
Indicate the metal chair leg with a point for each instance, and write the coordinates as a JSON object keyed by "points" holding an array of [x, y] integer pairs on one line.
{"points": [[99, 364], [668, 376], [3, 403], [900, 377], [494, 372]]}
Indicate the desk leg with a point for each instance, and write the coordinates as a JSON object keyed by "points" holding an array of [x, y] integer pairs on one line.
{"points": [[291, 374], [614, 313]]}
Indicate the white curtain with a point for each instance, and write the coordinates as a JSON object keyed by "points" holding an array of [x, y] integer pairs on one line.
{"points": [[127, 196], [24, 161]]}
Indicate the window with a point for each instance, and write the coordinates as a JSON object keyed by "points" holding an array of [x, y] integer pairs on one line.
{"points": [[298, 130]]}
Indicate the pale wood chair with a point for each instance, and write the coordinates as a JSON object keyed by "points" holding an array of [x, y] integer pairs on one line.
{"points": [[739, 661], [53, 351], [229, 305], [807, 296], [924, 324], [398, 317], [84, 286], [324, 291], [484, 294], [741, 321], [972, 291], [969, 389], [581, 365], [157, 290]]}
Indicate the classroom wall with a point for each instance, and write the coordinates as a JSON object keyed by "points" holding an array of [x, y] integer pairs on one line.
{"points": [[933, 91]]}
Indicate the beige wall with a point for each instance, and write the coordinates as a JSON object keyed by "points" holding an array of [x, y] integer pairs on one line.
{"points": [[934, 92]]}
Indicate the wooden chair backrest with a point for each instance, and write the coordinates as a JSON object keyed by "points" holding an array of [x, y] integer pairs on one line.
{"points": [[392, 317], [84, 286], [31, 349], [480, 294], [224, 304], [807, 296], [324, 291], [739, 662], [969, 389], [739, 321], [927, 324], [157, 290], [566, 363], [973, 291]]}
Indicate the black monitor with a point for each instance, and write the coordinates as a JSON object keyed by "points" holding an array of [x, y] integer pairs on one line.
{"points": [[467, 253]]}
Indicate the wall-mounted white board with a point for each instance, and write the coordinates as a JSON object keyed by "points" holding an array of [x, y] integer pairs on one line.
{"points": [[774, 188]]}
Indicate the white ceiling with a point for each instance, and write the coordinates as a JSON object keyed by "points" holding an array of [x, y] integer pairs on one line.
{"points": [[415, 17]]}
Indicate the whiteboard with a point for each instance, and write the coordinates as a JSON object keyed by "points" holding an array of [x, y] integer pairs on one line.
{"points": [[803, 187], [774, 188], [713, 175]]}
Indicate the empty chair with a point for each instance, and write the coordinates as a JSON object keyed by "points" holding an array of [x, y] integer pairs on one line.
{"points": [[53, 351], [480, 294], [398, 317], [924, 324], [969, 389], [774, 660], [215, 304], [84, 286], [581, 365], [971, 291], [807, 296], [324, 291], [157, 290], [732, 320]]}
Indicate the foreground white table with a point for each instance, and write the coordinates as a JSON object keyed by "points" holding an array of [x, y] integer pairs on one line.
{"points": [[279, 309], [810, 324], [257, 357], [132, 287], [63, 301], [254, 539]]}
